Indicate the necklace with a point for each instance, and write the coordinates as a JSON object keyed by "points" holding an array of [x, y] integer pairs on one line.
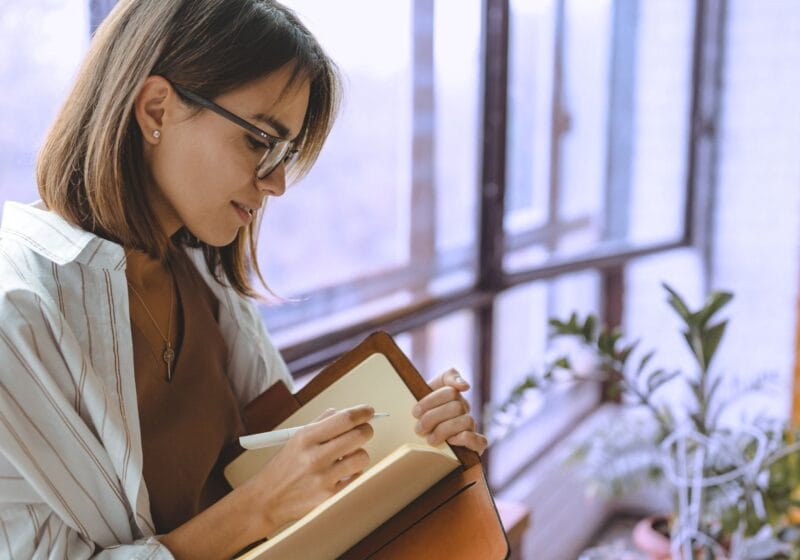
{"points": [[169, 353]]}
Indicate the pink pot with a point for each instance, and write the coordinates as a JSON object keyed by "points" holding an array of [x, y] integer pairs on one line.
{"points": [[652, 542]]}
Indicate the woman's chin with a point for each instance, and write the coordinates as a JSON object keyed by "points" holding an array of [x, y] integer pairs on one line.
{"points": [[217, 238]]}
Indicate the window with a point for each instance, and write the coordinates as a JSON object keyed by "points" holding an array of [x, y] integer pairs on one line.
{"points": [[41, 44], [599, 112]]}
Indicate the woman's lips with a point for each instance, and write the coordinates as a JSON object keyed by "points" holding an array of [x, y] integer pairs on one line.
{"points": [[244, 215]]}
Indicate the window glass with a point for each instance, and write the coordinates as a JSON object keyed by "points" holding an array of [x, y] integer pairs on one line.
{"points": [[352, 211], [41, 44], [389, 211], [457, 36], [522, 346], [598, 136], [446, 343]]}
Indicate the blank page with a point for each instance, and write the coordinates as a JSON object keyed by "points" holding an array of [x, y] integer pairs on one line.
{"points": [[374, 382]]}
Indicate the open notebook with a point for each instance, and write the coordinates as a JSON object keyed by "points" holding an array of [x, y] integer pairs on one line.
{"points": [[402, 467]]}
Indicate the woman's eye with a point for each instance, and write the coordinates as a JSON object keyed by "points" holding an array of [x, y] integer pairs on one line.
{"points": [[255, 145]]}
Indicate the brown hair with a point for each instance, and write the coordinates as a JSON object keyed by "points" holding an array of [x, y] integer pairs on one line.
{"points": [[91, 170]]}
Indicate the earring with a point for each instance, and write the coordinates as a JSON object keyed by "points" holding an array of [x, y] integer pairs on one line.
{"points": [[156, 134]]}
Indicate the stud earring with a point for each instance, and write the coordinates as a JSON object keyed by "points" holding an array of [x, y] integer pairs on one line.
{"points": [[156, 134]]}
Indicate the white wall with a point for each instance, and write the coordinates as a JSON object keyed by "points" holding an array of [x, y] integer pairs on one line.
{"points": [[757, 229]]}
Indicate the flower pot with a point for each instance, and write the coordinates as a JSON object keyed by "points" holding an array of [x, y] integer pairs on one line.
{"points": [[651, 536]]}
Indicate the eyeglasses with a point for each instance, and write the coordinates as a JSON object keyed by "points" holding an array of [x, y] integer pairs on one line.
{"points": [[276, 150]]}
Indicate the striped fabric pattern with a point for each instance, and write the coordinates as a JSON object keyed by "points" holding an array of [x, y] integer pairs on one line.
{"points": [[70, 449]]}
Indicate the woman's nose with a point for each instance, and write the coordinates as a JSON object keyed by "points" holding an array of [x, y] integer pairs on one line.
{"points": [[273, 184]]}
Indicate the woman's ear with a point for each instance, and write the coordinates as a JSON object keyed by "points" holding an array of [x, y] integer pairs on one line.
{"points": [[152, 103]]}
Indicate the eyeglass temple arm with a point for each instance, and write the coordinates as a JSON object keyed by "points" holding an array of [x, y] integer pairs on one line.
{"points": [[203, 102]]}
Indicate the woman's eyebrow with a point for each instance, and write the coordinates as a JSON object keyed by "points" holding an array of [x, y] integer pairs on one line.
{"points": [[282, 129]]}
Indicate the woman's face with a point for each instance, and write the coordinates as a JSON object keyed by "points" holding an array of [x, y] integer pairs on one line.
{"points": [[203, 165]]}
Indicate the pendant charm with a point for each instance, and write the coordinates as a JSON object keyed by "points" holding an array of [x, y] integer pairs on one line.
{"points": [[169, 357]]}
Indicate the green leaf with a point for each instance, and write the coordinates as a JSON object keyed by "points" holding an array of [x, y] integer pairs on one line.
{"points": [[625, 353], [616, 335], [643, 363], [557, 328], [570, 328], [589, 329], [603, 342], [573, 322], [715, 302], [690, 342], [614, 391], [563, 362], [710, 342], [659, 379], [697, 419], [677, 303], [696, 391]]}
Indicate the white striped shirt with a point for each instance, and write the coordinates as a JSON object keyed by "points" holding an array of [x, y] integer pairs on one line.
{"points": [[71, 481]]}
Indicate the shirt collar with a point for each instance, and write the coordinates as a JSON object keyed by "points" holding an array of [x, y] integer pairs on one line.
{"points": [[51, 236]]}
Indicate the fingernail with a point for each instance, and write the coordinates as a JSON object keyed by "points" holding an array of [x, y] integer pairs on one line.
{"points": [[418, 428], [417, 411]]}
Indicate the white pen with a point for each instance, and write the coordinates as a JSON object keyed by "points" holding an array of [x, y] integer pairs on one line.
{"points": [[279, 437]]}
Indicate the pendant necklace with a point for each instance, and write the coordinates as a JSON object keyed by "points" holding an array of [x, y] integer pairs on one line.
{"points": [[169, 353]]}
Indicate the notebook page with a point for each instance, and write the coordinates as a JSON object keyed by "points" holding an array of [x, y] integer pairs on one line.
{"points": [[374, 382]]}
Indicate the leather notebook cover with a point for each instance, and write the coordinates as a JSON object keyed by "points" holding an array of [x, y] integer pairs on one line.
{"points": [[454, 518]]}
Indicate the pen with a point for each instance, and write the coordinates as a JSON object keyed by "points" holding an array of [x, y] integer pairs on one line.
{"points": [[279, 437]]}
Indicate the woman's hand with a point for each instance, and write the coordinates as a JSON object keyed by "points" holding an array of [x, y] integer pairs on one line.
{"points": [[316, 463], [444, 414]]}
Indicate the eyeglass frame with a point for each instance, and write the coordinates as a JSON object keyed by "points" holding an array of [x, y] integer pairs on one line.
{"points": [[273, 142]]}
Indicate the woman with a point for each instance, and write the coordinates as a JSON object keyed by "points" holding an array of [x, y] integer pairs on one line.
{"points": [[128, 338]]}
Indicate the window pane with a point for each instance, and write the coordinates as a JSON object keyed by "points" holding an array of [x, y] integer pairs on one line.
{"points": [[458, 62], [389, 210], [41, 45], [530, 103], [521, 348], [663, 110], [352, 211], [598, 136], [446, 343]]}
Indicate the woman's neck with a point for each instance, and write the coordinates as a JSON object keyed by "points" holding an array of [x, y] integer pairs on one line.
{"points": [[144, 270]]}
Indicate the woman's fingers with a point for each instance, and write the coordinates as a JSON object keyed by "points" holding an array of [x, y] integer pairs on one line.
{"points": [[450, 377], [336, 424], [438, 398], [433, 418], [346, 443], [327, 414], [471, 440], [451, 427], [350, 466]]}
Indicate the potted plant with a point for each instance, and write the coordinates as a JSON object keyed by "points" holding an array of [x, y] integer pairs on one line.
{"points": [[735, 490]]}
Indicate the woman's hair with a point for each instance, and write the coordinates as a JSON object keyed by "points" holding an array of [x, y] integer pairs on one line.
{"points": [[91, 168]]}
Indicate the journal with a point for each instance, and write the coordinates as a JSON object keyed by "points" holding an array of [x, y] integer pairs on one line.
{"points": [[409, 488]]}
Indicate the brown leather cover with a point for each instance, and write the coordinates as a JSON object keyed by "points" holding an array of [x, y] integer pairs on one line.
{"points": [[455, 518]]}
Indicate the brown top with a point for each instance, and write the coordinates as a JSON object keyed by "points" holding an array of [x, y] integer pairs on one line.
{"points": [[185, 423]]}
